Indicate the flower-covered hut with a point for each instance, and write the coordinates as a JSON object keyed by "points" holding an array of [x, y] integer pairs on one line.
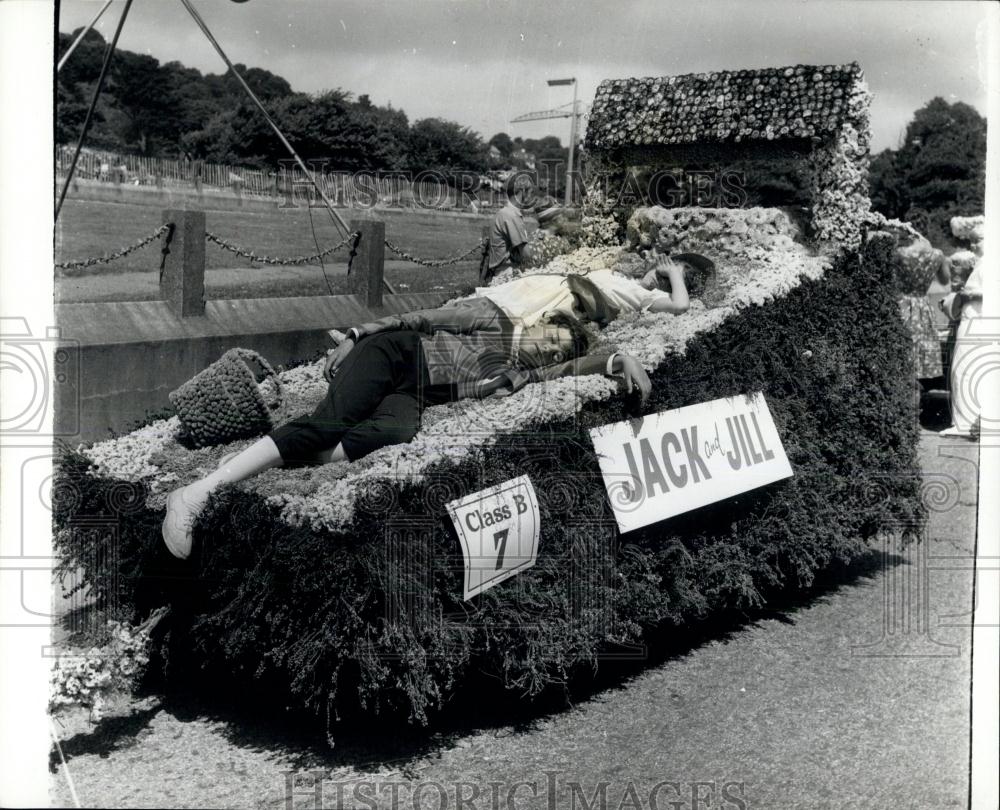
{"points": [[816, 114], [340, 588]]}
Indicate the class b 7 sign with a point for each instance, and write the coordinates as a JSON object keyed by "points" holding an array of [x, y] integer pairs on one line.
{"points": [[662, 465], [498, 529]]}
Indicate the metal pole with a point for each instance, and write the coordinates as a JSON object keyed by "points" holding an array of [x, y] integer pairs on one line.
{"points": [[93, 104], [572, 146], [83, 33]]}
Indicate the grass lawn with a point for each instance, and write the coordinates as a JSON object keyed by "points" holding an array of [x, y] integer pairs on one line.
{"points": [[88, 228]]}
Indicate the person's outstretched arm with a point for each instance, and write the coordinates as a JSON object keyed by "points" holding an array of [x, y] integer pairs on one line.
{"points": [[666, 270], [612, 364]]}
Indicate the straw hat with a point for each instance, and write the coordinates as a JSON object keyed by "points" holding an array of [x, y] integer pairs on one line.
{"points": [[701, 279], [696, 260]]}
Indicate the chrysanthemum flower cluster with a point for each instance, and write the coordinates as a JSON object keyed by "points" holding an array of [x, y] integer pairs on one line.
{"points": [[721, 231], [753, 248], [87, 677], [796, 101], [544, 246], [962, 263], [838, 176], [598, 223], [876, 220], [971, 230]]}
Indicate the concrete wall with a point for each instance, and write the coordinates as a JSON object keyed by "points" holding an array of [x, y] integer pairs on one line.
{"points": [[122, 359]]}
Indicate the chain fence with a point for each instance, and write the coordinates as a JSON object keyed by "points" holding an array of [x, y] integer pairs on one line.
{"points": [[118, 254], [290, 260], [479, 246], [271, 260]]}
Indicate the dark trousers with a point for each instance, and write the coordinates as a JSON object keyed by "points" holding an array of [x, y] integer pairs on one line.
{"points": [[376, 399]]}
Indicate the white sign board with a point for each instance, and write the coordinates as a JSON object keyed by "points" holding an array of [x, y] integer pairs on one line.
{"points": [[659, 466], [498, 528]]}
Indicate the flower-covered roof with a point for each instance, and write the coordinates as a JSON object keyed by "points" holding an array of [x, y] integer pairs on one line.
{"points": [[729, 106]]}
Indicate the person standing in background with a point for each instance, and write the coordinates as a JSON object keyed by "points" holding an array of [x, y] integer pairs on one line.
{"points": [[918, 266], [509, 234], [965, 305]]}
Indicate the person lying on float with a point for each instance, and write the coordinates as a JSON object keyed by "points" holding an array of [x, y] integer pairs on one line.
{"points": [[597, 297], [525, 302], [663, 285], [387, 371], [600, 296]]}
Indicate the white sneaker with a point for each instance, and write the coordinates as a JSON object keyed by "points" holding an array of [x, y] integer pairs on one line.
{"points": [[178, 522]]}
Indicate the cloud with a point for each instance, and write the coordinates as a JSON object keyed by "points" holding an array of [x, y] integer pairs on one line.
{"points": [[482, 62]]}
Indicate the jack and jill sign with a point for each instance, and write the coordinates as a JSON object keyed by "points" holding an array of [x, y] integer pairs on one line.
{"points": [[662, 465]]}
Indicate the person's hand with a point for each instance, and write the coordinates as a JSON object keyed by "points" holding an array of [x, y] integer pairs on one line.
{"points": [[336, 357], [636, 378], [663, 269], [650, 281]]}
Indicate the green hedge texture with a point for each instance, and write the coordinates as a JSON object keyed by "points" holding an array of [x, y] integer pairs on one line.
{"points": [[372, 619]]}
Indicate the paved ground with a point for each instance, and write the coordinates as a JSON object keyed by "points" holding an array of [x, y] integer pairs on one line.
{"points": [[856, 698]]}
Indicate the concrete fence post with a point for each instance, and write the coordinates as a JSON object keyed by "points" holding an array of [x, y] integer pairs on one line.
{"points": [[368, 261], [182, 278]]}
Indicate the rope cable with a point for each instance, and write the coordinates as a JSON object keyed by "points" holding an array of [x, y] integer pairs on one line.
{"points": [[93, 105], [83, 33], [319, 251], [337, 219], [62, 759]]}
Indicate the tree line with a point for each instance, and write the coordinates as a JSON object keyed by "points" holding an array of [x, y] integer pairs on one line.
{"points": [[172, 111], [938, 172]]}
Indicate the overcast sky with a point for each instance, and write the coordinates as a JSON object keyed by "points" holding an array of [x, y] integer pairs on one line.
{"points": [[483, 62]]}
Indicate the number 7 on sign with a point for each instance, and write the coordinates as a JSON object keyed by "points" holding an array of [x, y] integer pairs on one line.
{"points": [[500, 542], [507, 513]]}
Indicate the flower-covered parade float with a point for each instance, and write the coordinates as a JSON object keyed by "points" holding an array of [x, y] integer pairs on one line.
{"points": [[339, 588]]}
